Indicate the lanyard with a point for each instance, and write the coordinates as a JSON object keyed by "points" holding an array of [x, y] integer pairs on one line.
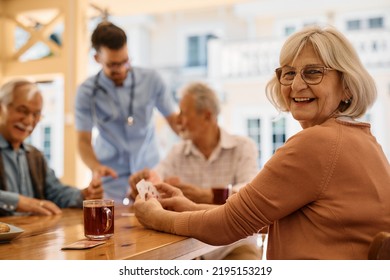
{"points": [[97, 86]]}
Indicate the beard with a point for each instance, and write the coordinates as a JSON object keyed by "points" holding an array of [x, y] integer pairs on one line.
{"points": [[118, 77]]}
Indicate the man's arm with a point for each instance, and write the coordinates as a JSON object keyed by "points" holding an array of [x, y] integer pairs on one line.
{"points": [[172, 121], [84, 141], [11, 202], [195, 193], [174, 199]]}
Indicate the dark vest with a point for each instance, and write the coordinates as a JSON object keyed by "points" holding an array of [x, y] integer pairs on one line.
{"points": [[37, 169]]}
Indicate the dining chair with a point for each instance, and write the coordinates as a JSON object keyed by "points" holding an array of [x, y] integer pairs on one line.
{"points": [[380, 247]]}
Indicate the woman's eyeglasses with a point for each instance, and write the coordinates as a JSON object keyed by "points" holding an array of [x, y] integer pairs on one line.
{"points": [[312, 75]]}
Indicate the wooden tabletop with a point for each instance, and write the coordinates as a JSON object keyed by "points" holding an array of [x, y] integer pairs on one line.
{"points": [[44, 236]]}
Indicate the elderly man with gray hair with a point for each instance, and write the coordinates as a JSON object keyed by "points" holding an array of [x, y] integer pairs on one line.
{"points": [[27, 184], [208, 157]]}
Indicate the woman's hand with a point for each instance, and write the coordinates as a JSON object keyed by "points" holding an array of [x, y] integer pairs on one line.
{"points": [[147, 174], [150, 213]]}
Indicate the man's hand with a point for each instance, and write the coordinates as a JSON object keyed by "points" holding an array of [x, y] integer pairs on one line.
{"points": [[37, 206], [173, 199], [102, 170], [94, 190], [194, 193]]}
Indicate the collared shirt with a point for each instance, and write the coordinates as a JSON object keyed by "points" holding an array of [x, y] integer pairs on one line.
{"points": [[18, 181], [124, 148], [233, 161]]}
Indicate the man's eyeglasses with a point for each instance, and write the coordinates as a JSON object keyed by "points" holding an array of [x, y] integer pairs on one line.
{"points": [[116, 65], [25, 112], [312, 75]]}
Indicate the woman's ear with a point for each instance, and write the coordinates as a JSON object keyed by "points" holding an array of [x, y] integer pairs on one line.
{"points": [[345, 100], [347, 94]]}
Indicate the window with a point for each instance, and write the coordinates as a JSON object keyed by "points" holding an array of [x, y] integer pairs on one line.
{"points": [[197, 50], [29, 38], [374, 46], [254, 132], [354, 24], [47, 142], [288, 30], [375, 22], [278, 133]]}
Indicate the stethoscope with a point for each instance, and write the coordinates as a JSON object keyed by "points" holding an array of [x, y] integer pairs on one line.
{"points": [[115, 114]]}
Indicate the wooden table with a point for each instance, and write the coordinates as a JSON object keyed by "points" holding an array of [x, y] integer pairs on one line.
{"points": [[44, 236]]}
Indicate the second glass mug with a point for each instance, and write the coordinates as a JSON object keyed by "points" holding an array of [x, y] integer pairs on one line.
{"points": [[98, 219]]}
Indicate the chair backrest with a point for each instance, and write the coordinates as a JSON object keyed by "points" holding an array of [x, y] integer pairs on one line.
{"points": [[380, 247]]}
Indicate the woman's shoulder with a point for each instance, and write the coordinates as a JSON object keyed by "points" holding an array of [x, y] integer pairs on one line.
{"points": [[326, 130], [330, 129], [319, 138]]}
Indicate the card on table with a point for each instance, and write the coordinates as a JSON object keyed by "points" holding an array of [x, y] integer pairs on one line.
{"points": [[146, 187], [82, 244]]}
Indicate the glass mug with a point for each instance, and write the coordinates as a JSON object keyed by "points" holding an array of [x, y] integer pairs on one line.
{"points": [[221, 194], [98, 219]]}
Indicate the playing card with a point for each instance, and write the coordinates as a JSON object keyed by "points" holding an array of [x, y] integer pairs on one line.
{"points": [[146, 187], [83, 244], [141, 187], [152, 191]]}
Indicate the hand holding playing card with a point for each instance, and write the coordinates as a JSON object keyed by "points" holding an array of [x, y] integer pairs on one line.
{"points": [[146, 187]]}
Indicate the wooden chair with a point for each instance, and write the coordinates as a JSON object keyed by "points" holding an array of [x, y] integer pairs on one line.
{"points": [[380, 247]]}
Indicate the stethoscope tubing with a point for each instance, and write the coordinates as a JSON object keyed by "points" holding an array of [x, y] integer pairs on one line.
{"points": [[115, 114]]}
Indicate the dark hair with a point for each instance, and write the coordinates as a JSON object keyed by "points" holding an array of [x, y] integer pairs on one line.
{"points": [[108, 35]]}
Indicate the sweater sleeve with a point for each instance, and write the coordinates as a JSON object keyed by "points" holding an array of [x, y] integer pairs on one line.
{"points": [[295, 176]]}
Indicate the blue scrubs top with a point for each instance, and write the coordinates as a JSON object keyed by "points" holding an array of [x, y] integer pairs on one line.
{"points": [[124, 148]]}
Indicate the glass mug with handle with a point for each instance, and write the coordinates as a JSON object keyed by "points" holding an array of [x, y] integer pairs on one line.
{"points": [[221, 193], [98, 219]]}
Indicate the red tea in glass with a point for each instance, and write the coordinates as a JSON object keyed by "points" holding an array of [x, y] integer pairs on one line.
{"points": [[220, 194], [98, 219]]}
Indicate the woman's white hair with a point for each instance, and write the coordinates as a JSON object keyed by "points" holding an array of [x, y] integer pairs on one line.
{"points": [[336, 52]]}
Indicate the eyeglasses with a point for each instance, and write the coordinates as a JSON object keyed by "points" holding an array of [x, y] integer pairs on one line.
{"points": [[312, 75], [116, 65], [24, 112]]}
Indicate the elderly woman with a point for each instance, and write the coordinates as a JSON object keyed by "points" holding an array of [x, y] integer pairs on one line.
{"points": [[325, 193]]}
